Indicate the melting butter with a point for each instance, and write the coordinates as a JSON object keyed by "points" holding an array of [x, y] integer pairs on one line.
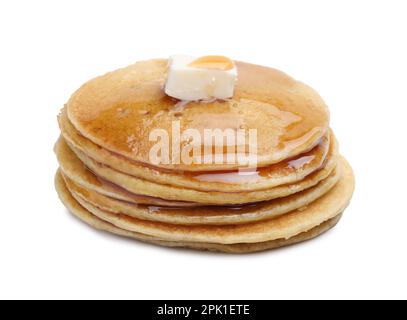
{"points": [[203, 78]]}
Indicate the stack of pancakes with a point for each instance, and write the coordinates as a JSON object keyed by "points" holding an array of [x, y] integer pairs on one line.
{"points": [[106, 177]]}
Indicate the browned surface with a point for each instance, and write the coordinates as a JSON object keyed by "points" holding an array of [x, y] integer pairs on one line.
{"points": [[127, 104]]}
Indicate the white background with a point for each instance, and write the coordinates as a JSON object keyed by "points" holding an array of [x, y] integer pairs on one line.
{"points": [[353, 52]]}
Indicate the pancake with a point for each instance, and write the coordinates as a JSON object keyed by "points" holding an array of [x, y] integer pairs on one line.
{"points": [[286, 226], [294, 187], [119, 110], [76, 209], [79, 173], [147, 188], [288, 171], [206, 215]]}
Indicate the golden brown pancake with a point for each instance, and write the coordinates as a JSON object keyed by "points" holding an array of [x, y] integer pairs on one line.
{"points": [[298, 188], [75, 208], [285, 172], [283, 227], [80, 174], [119, 110], [148, 188], [206, 215]]}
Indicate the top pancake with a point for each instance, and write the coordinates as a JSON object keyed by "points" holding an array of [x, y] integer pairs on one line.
{"points": [[119, 110]]}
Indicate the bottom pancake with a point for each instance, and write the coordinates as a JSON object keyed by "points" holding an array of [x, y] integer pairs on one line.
{"points": [[292, 227], [286, 226], [75, 208]]}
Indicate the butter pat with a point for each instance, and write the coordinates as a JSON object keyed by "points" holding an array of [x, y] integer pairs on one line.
{"points": [[201, 78]]}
